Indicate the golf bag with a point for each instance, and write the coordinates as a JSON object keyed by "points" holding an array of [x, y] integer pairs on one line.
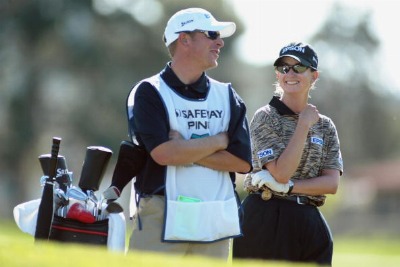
{"points": [[75, 213], [75, 228]]}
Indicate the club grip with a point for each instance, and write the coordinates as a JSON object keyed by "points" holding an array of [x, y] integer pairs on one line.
{"points": [[55, 148], [45, 210]]}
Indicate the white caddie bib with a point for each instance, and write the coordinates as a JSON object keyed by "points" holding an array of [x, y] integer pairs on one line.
{"points": [[201, 205]]}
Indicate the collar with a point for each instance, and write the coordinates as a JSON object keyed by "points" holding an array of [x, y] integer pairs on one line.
{"points": [[200, 86], [280, 106]]}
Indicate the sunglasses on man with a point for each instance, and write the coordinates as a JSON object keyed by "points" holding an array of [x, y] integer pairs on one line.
{"points": [[298, 68], [213, 35]]}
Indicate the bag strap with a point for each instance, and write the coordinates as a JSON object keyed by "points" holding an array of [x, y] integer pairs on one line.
{"points": [[135, 195], [130, 101]]}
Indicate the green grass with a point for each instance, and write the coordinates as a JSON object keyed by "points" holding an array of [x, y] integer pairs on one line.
{"points": [[19, 249]]}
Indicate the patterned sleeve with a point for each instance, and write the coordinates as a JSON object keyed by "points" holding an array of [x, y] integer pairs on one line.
{"points": [[333, 158], [267, 144], [264, 145]]}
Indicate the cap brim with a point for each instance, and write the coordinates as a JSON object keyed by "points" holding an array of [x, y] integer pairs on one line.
{"points": [[225, 29], [302, 61]]}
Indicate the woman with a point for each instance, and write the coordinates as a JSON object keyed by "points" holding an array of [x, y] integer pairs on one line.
{"points": [[297, 161]]}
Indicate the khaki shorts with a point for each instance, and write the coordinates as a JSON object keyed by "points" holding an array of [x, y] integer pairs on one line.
{"points": [[151, 210]]}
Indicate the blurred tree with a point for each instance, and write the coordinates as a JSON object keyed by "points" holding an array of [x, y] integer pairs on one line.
{"points": [[68, 65], [67, 68], [351, 92]]}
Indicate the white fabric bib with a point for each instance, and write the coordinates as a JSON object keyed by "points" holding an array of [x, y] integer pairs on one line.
{"points": [[200, 202]]}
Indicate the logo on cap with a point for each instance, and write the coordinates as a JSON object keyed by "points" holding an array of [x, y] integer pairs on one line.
{"points": [[186, 22], [293, 48]]}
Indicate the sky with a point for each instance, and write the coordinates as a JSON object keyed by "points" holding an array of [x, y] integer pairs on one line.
{"points": [[283, 21]]}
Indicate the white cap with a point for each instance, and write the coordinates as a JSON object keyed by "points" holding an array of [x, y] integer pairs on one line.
{"points": [[195, 19]]}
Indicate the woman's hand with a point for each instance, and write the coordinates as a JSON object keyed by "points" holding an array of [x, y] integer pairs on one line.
{"points": [[309, 116]]}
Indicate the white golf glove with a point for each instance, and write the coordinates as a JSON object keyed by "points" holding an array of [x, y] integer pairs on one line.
{"points": [[264, 178]]}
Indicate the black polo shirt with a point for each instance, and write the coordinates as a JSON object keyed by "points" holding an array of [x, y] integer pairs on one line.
{"points": [[151, 125]]}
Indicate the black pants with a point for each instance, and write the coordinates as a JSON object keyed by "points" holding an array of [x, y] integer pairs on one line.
{"points": [[279, 229]]}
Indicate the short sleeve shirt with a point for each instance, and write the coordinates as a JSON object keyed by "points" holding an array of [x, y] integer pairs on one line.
{"points": [[273, 126]]}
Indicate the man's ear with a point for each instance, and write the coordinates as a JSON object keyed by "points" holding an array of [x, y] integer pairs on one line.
{"points": [[183, 38]]}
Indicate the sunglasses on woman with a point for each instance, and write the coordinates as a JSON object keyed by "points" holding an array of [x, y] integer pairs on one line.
{"points": [[298, 68]]}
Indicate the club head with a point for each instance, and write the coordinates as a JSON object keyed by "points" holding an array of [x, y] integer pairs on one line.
{"points": [[62, 211], [60, 198], [114, 207], [43, 180], [111, 193], [77, 194], [92, 196], [105, 210], [94, 166]]}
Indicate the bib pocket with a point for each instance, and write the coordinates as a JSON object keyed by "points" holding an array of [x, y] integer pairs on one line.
{"points": [[201, 221]]}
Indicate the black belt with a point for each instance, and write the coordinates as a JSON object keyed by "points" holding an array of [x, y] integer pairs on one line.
{"points": [[301, 200]]}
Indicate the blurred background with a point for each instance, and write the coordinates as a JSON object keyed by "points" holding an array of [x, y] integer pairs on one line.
{"points": [[67, 67]]}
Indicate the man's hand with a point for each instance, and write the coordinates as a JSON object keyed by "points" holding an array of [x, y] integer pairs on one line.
{"points": [[264, 178]]}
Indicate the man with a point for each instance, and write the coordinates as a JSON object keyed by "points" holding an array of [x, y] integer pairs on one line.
{"points": [[196, 133]]}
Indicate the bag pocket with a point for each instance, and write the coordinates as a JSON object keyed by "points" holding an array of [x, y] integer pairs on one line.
{"points": [[72, 231]]}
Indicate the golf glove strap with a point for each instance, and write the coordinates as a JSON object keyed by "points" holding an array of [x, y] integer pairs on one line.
{"points": [[264, 178]]}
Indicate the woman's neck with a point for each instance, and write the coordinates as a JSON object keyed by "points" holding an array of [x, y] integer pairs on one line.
{"points": [[295, 103]]}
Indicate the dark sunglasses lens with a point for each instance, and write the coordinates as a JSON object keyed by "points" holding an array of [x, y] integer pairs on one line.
{"points": [[283, 69], [212, 35], [299, 68]]}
